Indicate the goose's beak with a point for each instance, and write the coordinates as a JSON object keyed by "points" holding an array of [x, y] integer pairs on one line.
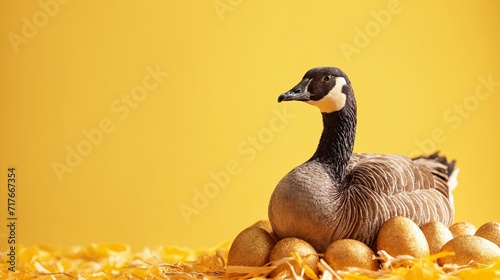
{"points": [[297, 93]]}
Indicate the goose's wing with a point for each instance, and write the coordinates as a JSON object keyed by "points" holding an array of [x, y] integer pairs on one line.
{"points": [[392, 174], [382, 186]]}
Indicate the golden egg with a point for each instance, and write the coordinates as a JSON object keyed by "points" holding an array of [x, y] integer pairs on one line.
{"points": [[284, 249], [266, 225], [470, 248], [401, 236], [436, 234], [252, 247], [345, 253], [490, 231], [462, 228]]}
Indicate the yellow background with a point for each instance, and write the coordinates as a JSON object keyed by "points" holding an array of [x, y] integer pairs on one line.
{"points": [[412, 65]]}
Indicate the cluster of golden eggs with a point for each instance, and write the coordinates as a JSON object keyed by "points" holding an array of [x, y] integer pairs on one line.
{"points": [[258, 245]]}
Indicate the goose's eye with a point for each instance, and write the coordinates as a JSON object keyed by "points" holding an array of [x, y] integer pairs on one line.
{"points": [[327, 78]]}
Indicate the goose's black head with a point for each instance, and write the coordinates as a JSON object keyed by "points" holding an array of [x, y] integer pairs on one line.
{"points": [[327, 88]]}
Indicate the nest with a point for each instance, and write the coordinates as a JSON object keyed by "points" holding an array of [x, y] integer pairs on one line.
{"points": [[117, 261]]}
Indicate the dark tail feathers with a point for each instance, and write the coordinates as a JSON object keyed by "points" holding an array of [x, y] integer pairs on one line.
{"points": [[450, 166]]}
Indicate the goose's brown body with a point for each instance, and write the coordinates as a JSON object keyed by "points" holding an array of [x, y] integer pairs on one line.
{"points": [[337, 194], [378, 187]]}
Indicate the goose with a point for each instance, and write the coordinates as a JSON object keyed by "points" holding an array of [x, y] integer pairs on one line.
{"points": [[338, 194]]}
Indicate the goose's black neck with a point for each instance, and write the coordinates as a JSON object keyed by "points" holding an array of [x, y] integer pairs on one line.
{"points": [[337, 140]]}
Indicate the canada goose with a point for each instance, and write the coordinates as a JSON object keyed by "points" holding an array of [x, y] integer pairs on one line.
{"points": [[337, 194]]}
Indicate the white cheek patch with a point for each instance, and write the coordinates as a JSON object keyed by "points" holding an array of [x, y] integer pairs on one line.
{"points": [[334, 100]]}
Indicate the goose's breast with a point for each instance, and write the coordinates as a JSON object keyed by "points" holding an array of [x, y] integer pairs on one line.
{"points": [[303, 205]]}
